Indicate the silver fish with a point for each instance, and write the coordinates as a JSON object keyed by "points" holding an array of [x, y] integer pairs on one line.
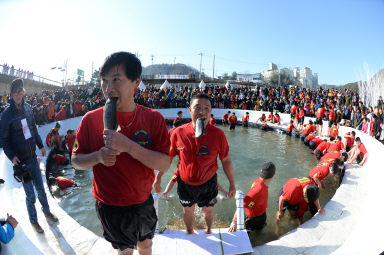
{"points": [[200, 130], [110, 114]]}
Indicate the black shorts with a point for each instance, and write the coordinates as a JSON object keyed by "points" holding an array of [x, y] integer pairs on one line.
{"points": [[312, 145], [124, 226], [319, 121], [347, 148], [319, 154], [330, 123], [232, 126], [302, 137], [255, 223], [306, 141], [359, 158], [301, 120], [245, 124], [204, 195], [289, 133]]}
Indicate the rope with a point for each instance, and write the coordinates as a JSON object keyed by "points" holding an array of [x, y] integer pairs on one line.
{"points": [[221, 243]]}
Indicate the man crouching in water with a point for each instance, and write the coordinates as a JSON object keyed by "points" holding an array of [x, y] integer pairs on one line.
{"points": [[197, 179]]}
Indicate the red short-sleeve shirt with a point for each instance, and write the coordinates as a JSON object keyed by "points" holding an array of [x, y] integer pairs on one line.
{"points": [[322, 171], [336, 146], [64, 183], [256, 201], [293, 193], [198, 156], [129, 181]]}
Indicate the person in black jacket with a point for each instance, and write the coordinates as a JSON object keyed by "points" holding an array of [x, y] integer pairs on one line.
{"points": [[19, 138]]}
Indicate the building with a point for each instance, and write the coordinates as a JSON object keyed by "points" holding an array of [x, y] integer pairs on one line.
{"points": [[255, 78]]}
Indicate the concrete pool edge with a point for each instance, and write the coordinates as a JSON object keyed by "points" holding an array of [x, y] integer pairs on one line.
{"points": [[352, 212]]}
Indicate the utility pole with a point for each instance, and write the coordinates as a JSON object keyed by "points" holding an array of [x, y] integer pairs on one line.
{"points": [[92, 74], [213, 73], [201, 59], [174, 60], [152, 58], [66, 68]]}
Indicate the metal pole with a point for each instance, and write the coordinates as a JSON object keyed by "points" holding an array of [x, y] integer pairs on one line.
{"points": [[213, 73], [156, 205], [240, 209], [201, 59]]}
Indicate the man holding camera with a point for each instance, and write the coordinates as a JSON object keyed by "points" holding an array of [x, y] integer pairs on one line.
{"points": [[19, 137]]}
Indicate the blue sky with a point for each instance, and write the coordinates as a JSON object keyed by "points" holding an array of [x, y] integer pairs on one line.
{"points": [[333, 38]]}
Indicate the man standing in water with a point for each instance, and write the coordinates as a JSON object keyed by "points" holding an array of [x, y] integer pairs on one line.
{"points": [[197, 179], [123, 161]]}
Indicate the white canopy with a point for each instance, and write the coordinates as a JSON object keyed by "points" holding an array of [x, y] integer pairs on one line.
{"points": [[165, 85], [142, 86], [202, 84]]}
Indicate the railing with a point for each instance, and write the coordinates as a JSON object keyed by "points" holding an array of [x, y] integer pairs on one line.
{"points": [[27, 75]]}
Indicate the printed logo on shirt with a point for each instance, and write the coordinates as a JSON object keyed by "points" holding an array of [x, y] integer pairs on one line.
{"points": [[251, 204], [141, 137], [75, 145], [203, 151], [303, 179]]}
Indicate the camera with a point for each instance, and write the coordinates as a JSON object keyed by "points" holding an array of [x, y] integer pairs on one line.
{"points": [[20, 174]]}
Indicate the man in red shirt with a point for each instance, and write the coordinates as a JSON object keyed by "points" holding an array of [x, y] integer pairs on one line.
{"points": [[321, 149], [245, 119], [319, 118], [358, 153], [349, 140], [296, 195], [314, 143], [256, 201], [225, 118], [322, 170], [262, 118], [332, 117], [197, 179], [309, 129], [333, 131], [290, 128], [123, 160], [232, 121], [61, 182], [307, 139], [336, 145], [276, 119], [212, 120], [70, 140], [179, 117]]}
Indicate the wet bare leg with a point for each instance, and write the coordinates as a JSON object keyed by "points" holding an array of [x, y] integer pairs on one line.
{"points": [[189, 216], [208, 217]]}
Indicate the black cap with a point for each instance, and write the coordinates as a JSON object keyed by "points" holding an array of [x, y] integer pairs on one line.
{"points": [[17, 84], [268, 170]]}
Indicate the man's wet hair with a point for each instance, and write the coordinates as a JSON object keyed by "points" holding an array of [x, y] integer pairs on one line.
{"points": [[339, 138], [52, 181], [200, 96], [179, 112], [130, 63], [353, 133], [358, 139], [334, 168], [345, 155], [312, 193], [268, 170]]}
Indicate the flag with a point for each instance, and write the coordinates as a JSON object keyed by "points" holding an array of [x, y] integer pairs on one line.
{"points": [[80, 72]]}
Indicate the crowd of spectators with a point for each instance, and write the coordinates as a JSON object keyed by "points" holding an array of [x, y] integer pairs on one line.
{"points": [[344, 104]]}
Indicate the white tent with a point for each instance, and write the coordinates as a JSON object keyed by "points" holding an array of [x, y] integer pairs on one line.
{"points": [[202, 84], [228, 86], [165, 85], [142, 86]]}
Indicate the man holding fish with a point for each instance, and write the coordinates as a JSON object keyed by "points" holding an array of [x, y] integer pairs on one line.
{"points": [[123, 153], [198, 144]]}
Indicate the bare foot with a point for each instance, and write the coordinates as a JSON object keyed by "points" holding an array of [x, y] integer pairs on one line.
{"points": [[208, 231], [190, 231]]}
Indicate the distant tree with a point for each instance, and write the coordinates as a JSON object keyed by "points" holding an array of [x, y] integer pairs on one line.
{"points": [[297, 82], [234, 76], [225, 76], [95, 79]]}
